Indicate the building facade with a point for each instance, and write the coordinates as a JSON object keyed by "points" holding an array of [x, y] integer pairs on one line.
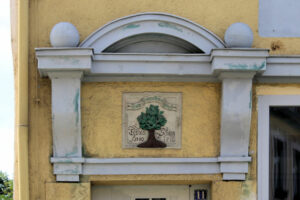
{"points": [[156, 100]]}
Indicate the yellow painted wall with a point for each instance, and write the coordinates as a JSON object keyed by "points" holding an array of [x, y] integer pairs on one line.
{"points": [[101, 102], [215, 15], [102, 119]]}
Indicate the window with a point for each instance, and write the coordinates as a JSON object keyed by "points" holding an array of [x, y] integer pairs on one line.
{"points": [[284, 152], [278, 165]]}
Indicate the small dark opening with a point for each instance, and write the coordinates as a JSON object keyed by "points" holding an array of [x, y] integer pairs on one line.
{"points": [[152, 43]]}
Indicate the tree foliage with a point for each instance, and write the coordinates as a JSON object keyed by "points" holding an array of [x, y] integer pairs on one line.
{"points": [[153, 119], [6, 187]]}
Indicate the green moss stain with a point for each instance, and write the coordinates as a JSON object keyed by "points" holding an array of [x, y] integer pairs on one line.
{"points": [[76, 104], [247, 191], [169, 25], [131, 26], [73, 152], [246, 67]]}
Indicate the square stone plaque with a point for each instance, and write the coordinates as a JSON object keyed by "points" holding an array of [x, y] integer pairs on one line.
{"points": [[136, 103]]}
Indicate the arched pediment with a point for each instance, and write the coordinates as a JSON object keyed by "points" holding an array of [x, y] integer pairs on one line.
{"points": [[152, 33]]}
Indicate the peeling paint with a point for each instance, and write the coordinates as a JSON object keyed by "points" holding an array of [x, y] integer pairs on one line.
{"points": [[131, 26], [246, 67], [169, 25]]}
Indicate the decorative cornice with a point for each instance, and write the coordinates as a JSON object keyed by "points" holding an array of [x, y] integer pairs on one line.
{"points": [[124, 166], [64, 59], [106, 67], [238, 60]]}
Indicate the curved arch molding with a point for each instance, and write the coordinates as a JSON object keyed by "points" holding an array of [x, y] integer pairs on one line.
{"points": [[146, 23]]}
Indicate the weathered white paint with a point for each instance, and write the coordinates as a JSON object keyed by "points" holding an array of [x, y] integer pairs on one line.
{"points": [[279, 18], [66, 115], [149, 78], [239, 35], [67, 168], [236, 116], [123, 166], [67, 178], [236, 68], [67, 160], [234, 176], [132, 168], [239, 60], [233, 168], [64, 59], [64, 34], [149, 160], [65, 67], [160, 67], [264, 103], [154, 23], [282, 66], [66, 121]]}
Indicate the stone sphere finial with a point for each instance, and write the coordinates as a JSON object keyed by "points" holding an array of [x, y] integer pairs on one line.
{"points": [[64, 34], [239, 35]]}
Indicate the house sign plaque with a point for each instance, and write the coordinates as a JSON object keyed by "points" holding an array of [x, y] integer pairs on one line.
{"points": [[152, 113]]}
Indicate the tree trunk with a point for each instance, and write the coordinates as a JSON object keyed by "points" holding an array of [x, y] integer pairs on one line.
{"points": [[152, 142]]}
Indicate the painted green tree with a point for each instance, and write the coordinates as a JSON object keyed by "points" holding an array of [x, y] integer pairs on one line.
{"points": [[6, 187], [153, 119]]}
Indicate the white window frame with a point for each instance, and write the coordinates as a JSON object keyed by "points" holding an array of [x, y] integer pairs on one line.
{"points": [[264, 104]]}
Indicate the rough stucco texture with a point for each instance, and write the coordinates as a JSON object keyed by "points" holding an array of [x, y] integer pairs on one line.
{"points": [[233, 190], [102, 119], [216, 16], [68, 191], [102, 101]]}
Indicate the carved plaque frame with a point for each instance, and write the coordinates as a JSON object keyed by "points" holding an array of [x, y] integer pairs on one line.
{"points": [[135, 103]]}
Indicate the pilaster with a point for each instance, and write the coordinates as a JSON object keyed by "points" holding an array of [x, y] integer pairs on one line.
{"points": [[236, 69], [65, 68]]}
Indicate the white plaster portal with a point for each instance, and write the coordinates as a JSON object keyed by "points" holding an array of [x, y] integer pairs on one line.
{"points": [[234, 67]]}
